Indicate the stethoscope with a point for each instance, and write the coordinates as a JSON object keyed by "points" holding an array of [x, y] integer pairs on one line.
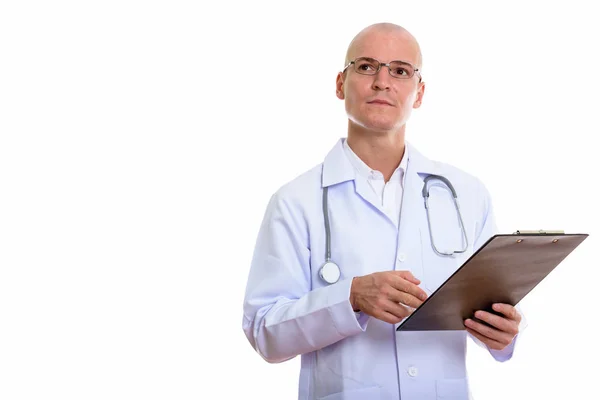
{"points": [[330, 272]]}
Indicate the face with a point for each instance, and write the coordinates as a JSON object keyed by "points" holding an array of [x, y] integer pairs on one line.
{"points": [[381, 102]]}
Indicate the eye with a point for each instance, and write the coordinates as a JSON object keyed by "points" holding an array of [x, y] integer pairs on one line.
{"points": [[365, 66], [401, 71]]}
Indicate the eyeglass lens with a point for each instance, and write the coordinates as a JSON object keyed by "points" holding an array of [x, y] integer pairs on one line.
{"points": [[370, 66]]}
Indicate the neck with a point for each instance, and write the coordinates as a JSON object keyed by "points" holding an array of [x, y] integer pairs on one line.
{"points": [[381, 151]]}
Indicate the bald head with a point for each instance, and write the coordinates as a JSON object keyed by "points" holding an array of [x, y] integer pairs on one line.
{"points": [[383, 31]]}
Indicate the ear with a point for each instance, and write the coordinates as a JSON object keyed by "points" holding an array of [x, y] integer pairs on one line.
{"points": [[339, 86], [420, 93]]}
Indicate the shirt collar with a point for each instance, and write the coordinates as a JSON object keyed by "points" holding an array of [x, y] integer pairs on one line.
{"points": [[364, 170], [338, 168]]}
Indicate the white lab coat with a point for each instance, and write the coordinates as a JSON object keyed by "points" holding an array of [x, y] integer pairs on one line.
{"points": [[290, 311]]}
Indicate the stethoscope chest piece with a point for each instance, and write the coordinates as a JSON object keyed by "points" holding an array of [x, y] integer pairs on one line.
{"points": [[330, 272]]}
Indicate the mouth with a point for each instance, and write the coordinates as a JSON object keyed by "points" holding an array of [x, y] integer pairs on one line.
{"points": [[381, 103]]}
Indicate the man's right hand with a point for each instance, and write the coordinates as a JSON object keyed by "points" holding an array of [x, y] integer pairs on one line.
{"points": [[386, 295]]}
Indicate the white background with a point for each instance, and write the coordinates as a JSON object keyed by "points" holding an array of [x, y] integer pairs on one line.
{"points": [[140, 142]]}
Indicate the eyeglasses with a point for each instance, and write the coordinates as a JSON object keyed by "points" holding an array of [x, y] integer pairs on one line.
{"points": [[371, 66]]}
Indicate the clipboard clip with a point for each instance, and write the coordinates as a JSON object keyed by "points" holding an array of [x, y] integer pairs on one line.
{"points": [[540, 232]]}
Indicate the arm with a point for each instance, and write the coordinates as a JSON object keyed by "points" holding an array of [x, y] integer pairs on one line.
{"points": [[283, 317]]}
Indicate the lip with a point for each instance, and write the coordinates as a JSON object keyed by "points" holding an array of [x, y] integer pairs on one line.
{"points": [[381, 102]]}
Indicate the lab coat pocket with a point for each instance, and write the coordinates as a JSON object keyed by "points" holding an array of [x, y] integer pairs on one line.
{"points": [[452, 389], [371, 393], [437, 271]]}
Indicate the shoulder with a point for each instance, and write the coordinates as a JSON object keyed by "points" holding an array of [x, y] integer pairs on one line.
{"points": [[300, 191], [468, 185], [458, 176]]}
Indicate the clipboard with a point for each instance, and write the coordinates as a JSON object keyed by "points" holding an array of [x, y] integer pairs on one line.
{"points": [[504, 270]]}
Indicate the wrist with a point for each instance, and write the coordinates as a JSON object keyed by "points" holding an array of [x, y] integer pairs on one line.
{"points": [[353, 295]]}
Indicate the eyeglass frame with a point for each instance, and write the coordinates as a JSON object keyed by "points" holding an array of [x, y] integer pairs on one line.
{"points": [[382, 64]]}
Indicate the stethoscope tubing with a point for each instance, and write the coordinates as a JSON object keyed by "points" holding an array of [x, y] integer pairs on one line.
{"points": [[330, 271]]}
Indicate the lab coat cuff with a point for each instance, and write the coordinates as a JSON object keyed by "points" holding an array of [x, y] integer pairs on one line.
{"points": [[506, 353], [345, 320]]}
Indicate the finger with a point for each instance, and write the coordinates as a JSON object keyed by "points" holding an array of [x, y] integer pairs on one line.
{"points": [[405, 286], [387, 312], [407, 299], [398, 310], [407, 275], [489, 332], [501, 323], [387, 317], [490, 343], [508, 310]]}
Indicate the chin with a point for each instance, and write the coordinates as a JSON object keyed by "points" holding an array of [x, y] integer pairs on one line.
{"points": [[376, 124]]}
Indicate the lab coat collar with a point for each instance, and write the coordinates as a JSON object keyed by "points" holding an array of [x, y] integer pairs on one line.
{"points": [[337, 168]]}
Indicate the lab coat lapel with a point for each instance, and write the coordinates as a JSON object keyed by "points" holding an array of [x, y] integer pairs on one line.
{"points": [[366, 192], [413, 218], [411, 221], [337, 169]]}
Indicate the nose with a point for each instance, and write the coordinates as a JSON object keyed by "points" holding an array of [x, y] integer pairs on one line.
{"points": [[382, 79]]}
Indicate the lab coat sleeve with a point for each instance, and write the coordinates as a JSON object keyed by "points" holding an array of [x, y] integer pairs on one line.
{"points": [[283, 317], [486, 229]]}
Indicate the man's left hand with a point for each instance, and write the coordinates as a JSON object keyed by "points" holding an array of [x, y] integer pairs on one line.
{"points": [[503, 329]]}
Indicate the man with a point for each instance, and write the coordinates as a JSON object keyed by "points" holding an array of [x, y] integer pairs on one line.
{"points": [[362, 209]]}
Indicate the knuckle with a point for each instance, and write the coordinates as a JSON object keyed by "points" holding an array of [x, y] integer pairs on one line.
{"points": [[517, 316], [485, 330], [404, 312], [411, 301], [381, 282], [386, 290], [379, 302], [402, 287], [414, 294], [399, 311], [408, 303], [406, 275]]}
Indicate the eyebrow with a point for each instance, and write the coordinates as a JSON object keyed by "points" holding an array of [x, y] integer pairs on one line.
{"points": [[396, 61]]}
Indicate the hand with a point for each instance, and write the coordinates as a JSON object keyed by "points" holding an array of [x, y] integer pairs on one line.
{"points": [[503, 330], [387, 295]]}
